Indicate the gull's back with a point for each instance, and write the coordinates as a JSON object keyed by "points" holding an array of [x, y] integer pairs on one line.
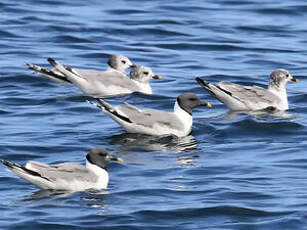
{"points": [[253, 97]]}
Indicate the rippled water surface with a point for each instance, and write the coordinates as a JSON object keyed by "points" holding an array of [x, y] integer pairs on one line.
{"points": [[235, 171]]}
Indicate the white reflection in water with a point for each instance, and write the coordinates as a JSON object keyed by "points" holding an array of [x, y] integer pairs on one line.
{"points": [[266, 115], [168, 143]]}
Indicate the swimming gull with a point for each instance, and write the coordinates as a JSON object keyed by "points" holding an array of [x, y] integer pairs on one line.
{"points": [[155, 122], [116, 63], [109, 83], [239, 97], [69, 175]]}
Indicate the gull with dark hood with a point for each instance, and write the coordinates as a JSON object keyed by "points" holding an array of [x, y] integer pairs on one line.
{"points": [[155, 122], [67, 176]]}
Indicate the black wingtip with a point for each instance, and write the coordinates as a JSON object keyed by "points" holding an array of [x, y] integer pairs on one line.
{"points": [[51, 61], [29, 171], [101, 103], [7, 163], [30, 66], [198, 80], [2, 161], [202, 82], [108, 108]]}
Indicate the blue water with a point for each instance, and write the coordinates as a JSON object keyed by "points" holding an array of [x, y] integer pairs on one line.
{"points": [[233, 172]]}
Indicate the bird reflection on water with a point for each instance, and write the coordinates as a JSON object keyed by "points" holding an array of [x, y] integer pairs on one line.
{"points": [[167, 143], [266, 115], [43, 193], [89, 198]]}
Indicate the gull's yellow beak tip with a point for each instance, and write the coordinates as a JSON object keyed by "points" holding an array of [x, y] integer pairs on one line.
{"points": [[119, 159], [158, 77], [207, 104]]}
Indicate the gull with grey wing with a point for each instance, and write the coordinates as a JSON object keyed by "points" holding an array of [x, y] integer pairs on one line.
{"points": [[116, 63], [155, 122], [239, 97], [67, 176], [109, 83]]}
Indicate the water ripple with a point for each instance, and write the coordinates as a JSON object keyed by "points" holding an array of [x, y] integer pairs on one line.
{"points": [[235, 170]]}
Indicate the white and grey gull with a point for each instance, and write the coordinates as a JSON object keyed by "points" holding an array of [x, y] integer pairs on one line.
{"points": [[67, 176], [155, 122], [108, 83], [116, 63], [238, 97]]}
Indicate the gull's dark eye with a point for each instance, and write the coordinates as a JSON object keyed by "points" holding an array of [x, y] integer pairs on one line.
{"points": [[146, 73], [287, 75], [192, 99], [123, 61]]}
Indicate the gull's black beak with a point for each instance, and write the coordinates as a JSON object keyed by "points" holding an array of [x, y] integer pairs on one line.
{"points": [[157, 77], [133, 66], [295, 80]]}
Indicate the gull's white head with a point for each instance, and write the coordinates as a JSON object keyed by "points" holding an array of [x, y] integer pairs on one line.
{"points": [[120, 63], [143, 74], [280, 77]]}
